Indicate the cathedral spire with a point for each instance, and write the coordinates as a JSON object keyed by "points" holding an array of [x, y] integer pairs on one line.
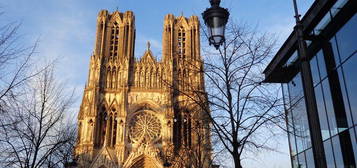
{"points": [[148, 45]]}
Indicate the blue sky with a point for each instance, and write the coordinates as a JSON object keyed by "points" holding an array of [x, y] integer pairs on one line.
{"points": [[66, 29]]}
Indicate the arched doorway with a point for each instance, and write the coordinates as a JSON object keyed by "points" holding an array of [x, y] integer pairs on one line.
{"points": [[145, 162]]}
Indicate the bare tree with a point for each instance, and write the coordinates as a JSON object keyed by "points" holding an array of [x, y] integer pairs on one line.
{"points": [[15, 61], [244, 112], [34, 132]]}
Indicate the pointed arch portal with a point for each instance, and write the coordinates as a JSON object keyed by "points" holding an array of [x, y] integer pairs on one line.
{"points": [[145, 162]]}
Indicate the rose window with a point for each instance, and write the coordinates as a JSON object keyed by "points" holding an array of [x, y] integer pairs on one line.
{"points": [[144, 127]]}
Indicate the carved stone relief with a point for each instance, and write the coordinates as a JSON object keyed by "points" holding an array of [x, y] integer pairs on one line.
{"points": [[135, 97]]}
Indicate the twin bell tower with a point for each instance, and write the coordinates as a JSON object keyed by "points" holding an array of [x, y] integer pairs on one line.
{"points": [[139, 113]]}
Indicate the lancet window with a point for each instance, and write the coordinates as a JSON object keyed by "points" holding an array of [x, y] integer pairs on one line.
{"points": [[153, 78], [114, 41], [181, 37], [187, 129], [90, 130], [119, 76], [137, 77], [109, 78], [112, 128], [114, 78], [107, 127], [102, 126], [184, 79]]}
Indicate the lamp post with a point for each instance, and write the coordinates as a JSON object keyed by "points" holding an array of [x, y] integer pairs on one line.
{"points": [[215, 19]]}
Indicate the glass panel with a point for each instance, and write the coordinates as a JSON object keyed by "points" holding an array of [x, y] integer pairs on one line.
{"points": [[295, 89], [322, 113], [345, 98], [310, 159], [321, 64], [329, 154], [329, 107], [350, 69], [290, 120], [337, 7], [333, 42], [354, 142], [302, 163], [322, 24], [285, 91], [337, 152], [295, 162], [293, 58], [346, 38], [301, 125], [314, 71], [291, 135]]}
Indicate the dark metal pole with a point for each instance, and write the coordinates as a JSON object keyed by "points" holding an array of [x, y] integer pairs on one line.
{"points": [[310, 99]]}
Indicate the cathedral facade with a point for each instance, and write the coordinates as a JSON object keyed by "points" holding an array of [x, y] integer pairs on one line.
{"points": [[138, 113]]}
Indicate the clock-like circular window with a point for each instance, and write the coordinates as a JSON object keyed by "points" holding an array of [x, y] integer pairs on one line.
{"points": [[144, 127]]}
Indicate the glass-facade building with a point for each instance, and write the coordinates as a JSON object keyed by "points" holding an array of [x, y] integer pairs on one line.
{"points": [[330, 29]]}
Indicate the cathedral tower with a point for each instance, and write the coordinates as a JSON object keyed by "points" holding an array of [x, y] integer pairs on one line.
{"points": [[137, 112]]}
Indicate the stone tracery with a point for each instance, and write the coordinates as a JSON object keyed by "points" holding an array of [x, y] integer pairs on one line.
{"points": [[144, 127]]}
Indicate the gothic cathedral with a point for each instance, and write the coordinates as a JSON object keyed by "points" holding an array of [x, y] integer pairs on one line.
{"points": [[139, 113]]}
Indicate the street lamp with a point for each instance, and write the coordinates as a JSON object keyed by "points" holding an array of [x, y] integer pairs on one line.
{"points": [[215, 19]]}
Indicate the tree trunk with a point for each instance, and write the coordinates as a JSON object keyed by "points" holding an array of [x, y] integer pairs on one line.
{"points": [[237, 163]]}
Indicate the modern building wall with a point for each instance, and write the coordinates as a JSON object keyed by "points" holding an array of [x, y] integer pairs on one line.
{"points": [[332, 50]]}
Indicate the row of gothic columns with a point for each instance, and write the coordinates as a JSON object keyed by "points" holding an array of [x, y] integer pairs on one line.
{"points": [[149, 78]]}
